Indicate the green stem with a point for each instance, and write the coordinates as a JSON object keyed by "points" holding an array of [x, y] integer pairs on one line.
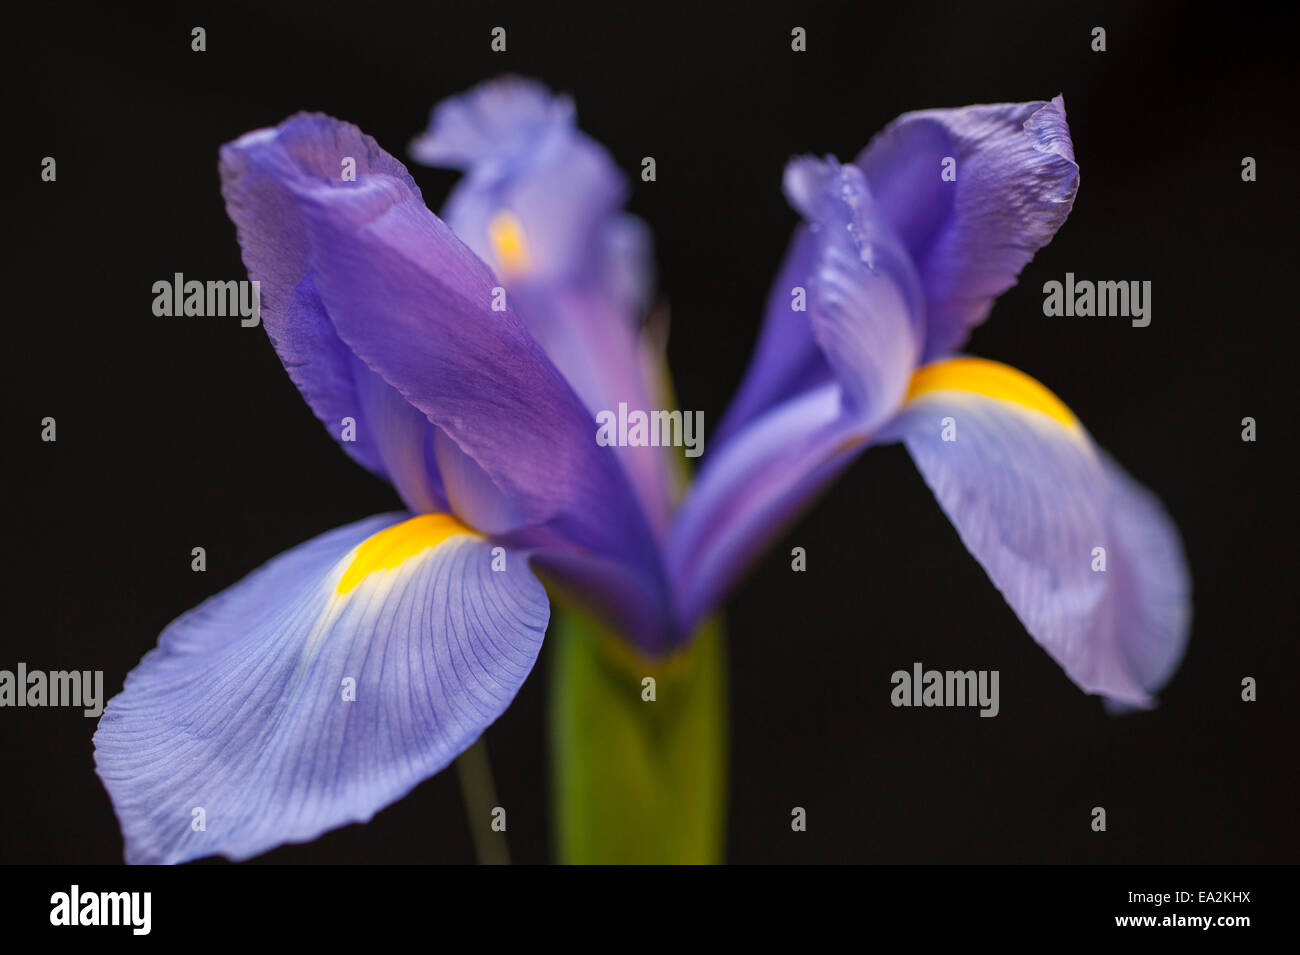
{"points": [[480, 796], [639, 769]]}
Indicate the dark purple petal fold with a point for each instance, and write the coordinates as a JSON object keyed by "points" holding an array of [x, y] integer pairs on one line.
{"points": [[1015, 182]]}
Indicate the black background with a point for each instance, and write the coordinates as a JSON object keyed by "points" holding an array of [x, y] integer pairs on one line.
{"points": [[177, 433]]}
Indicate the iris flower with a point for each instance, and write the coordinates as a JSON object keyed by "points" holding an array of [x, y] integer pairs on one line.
{"points": [[463, 358]]}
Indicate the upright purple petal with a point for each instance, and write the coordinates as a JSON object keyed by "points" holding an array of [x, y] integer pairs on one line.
{"points": [[275, 251], [404, 439], [539, 203], [847, 302], [317, 690], [812, 405], [787, 359], [584, 332], [416, 306], [750, 490], [1015, 181], [864, 300]]}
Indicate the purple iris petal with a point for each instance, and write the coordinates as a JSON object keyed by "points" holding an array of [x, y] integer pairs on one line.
{"points": [[244, 712], [968, 238], [864, 319], [471, 492], [275, 251], [415, 305], [1151, 602], [749, 491], [403, 435], [1015, 184], [864, 300], [539, 202], [1031, 497], [862, 314], [787, 359], [523, 154], [599, 352], [1033, 500]]}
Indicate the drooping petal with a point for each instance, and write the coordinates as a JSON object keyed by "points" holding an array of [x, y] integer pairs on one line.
{"points": [[847, 302], [419, 309], [1152, 607], [1015, 181], [317, 690], [1086, 558]]}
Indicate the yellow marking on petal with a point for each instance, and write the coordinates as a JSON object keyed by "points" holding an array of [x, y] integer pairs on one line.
{"points": [[506, 234], [393, 545], [993, 380]]}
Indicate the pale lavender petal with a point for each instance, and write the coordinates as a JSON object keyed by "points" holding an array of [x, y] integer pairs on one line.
{"points": [[524, 156], [1040, 508], [404, 437], [493, 126], [282, 708], [864, 318], [1152, 606]]}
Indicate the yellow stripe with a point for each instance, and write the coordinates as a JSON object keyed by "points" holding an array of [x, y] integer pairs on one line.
{"points": [[393, 545], [993, 380], [506, 234]]}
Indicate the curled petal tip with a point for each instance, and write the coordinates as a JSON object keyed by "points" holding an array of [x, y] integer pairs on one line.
{"points": [[493, 120], [1051, 134]]}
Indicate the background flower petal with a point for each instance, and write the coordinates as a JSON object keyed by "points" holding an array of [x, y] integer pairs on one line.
{"points": [[523, 155], [540, 203]]}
